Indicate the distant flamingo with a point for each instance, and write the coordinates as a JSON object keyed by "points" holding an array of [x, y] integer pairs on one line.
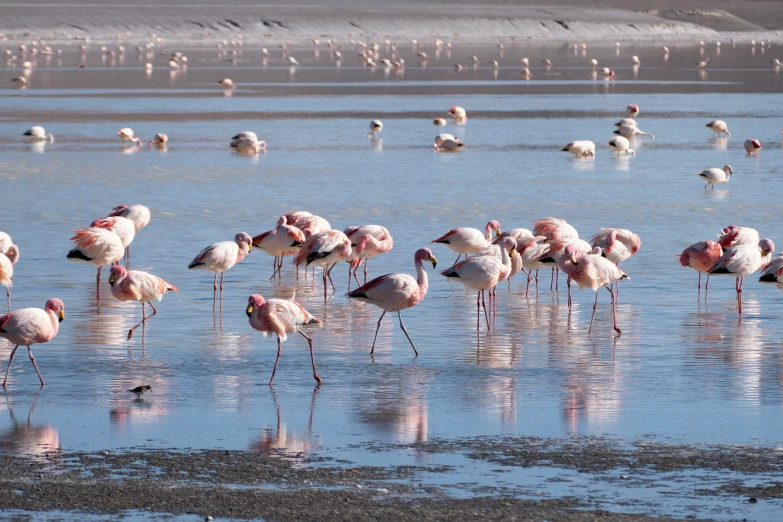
{"points": [[741, 261], [138, 286], [631, 131], [718, 127], [592, 271], [126, 134], [368, 241], [701, 257], [466, 240], [581, 148], [447, 143], [219, 257], [38, 133], [397, 292], [7, 261], [30, 326], [280, 317], [439, 121], [324, 249], [481, 273], [158, 141], [376, 126], [628, 122], [632, 111], [753, 146], [621, 144], [99, 246], [283, 240], [716, 176], [227, 83], [458, 114]]}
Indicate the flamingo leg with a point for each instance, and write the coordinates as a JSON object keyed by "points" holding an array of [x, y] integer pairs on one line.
{"points": [[406, 334], [366, 261], [323, 276], [214, 293], [312, 358], [595, 305], [274, 268], [568, 282], [10, 360], [328, 271], [8, 294], [376, 332], [614, 310], [706, 286], [739, 294], [279, 353], [552, 280], [32, 359], [222, 275], [557, 279], [478, 311], [98, 282], [527, 288], [143, 321], [483, 305], [455, 262]]}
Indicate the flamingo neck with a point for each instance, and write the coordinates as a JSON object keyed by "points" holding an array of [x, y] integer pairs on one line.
{"points": [[55, 322], [422, 277]]}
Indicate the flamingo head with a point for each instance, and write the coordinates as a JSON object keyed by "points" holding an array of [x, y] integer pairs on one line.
{"points": [[510, 244], [766, 246], [281, 221], [117, 272], [242, 238], [495, 226], [425, 254], [56, 306], [254, 302], [637, 244], [118, 210], [361, 245], [12, 254], [727, 169], [567, 148], [571, 253]]}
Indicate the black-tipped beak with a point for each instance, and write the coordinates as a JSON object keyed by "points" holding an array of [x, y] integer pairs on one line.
{"points": [[564, 149], [296, 244], [249, 310]]}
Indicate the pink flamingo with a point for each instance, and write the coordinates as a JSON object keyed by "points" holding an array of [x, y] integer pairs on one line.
{"points": [[557, 252], [138, 286], [752, 146], [701, 257], [138, 214], [324, 249], [616, 245], [280, 317], [368, 241], [7, 261], [30, 326], [303, 220], [519, 235], [531, 251], [741, 261], [127, 134], [219, 257], [481, 273], [466, 240], [554, 228], [121, 226], [592, 271], [397, 292], [283, 240], [99, 246], [773, 272], [733, 235]]}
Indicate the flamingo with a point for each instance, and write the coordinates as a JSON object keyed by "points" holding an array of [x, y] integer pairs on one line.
{"points": [[440, 122], [138, 214], [554, 228], [525, 73], [518, 234], [635, 60], [8, 259], [20, 81], [283, 240], [138, 286], [376, 126], [530, 251], [397, 292], [593, 63], [466, 240], [447, 143], [776, 63], [525, 62], [159, 140], [368, 241], [219, 257], [227, 83], [483, 272], [554, 256], [547, 62], [631, 131], [733, 235], [701, 64], [632, 111], [324, 249], [741, 261], [621, 144], [581, 148], [126, 134], [773, 271], [592, 271], [716, 176], [38, 133], [616, 245], [458, 114], [701, 257], [98, 245], [280, 317], [121, 226], [628, 122], [305, 220], [752, 146], [292, 61], [718, 127], [30, 326], [247, 142]]}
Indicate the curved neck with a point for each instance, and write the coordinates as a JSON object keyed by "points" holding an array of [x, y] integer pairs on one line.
{"points": [[421, 277], [504, 257], [55, 321]]}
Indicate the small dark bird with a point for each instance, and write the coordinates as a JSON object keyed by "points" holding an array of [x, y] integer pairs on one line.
{"points": [[140, 390]]}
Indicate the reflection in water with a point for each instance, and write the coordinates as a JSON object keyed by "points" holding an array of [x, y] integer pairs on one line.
{"points": [[26, 439], [720, 142]]}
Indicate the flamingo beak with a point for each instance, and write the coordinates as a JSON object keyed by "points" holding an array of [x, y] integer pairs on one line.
{"points": [[497, 232], [433, 261], [61, 315], [111, 280], [512, 252], [573, 260], [249, 309]]}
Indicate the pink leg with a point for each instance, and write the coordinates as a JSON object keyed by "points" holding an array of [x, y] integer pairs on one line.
{"points": [[214, 293], [614, 310], [568, 282], [527, 288], [457, 261], [483, 305], [478, 311], [98, 282], [406, 334], [552, 281], [557, 279], [10, 360], [323, 276], [312, 358], [329, 275], [536, 283], [8, 293], [595, 305], [706, 287], [279, 353], [30, 352], [366, 261], [144, 319], [222, 275], [274, 269], [376, 332], [739, 294]]}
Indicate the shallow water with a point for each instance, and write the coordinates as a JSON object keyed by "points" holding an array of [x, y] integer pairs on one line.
{"points": [[681, 371]]}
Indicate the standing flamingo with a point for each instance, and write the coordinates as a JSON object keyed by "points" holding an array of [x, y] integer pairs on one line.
{"points": [[38, 133], [593, 271], [126, 134], [554, 228], [283, 240], [280, 317], [99, 246], [30, 326], [733, 235], [580, 148], [716, 176], [219, 257], [519, 235], [7, 261], [631, 131], [773, 271], [138, 214], [466, 240], [121, 226], [616, 245], [368, 241], [632, 111], [718, 127], [741, 261], [324, 249], [557, 251], [138, 286], [305, 220], [158, 141], [458, 114], [481, 273], [752, 146], [376, 126], [530, 251], [397, 292], [701, 257], [621, 144]]}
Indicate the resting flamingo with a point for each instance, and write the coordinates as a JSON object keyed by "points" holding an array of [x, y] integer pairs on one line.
{"points": [[138, 286], [616, 245], [324, 249], [283, 240], [30, 326], [741, 261], [376, 126], [632, 111], [138, 214], [121, 226], [466, 240], [733, 235], [219, 257], [554, 228], [158, 141], [280, 317], [7, 261], [631, 131], [580, 148], [773, 272], [621, 144], [38, 133], [530, 251], [98, 245], [368, 241], [557, 252], [519, 235], [306, 220], [458, 114], [397, 292], [701, 257], [752, 146]]}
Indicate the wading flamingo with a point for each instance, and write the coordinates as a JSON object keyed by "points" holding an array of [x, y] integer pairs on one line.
{"points": [[530, 250], [376, 126], [138, 214], [138, 286], [38, 133], [753, 146], [158, 141], [458, 114], [621, 144], [324, 249], [219, 257], [7, 261], [227, 83], [397, 292], [447, 143], [632, 111], [581, 148], [716, 176], [718, 127], [30, 326], [283, 240], [126, 134], [99, 246], [554, 228], [280, 317], [368, 241], [701, 257], [741, 261], [616, 245], [465, 240]]}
